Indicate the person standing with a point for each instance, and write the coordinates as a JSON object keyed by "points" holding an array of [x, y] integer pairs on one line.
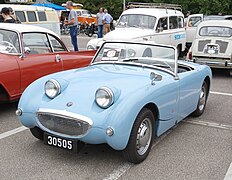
{"points": [[14, 16], [72, 23], [107, 18], [6, 15], [100, 23]]}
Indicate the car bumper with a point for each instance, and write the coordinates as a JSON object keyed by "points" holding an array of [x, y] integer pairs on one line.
{"points": [[214, 63]]}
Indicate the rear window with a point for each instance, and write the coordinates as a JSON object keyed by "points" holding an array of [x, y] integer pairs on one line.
{"points": [[31, 16], [216, 31], [42, 16], [21, 15]]}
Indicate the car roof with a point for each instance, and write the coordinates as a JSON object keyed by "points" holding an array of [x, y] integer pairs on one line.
{"points": [[225, 23], [157, 12], [22, 28], [17, 7]]}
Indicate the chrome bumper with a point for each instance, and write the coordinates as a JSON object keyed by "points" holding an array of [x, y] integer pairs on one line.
{"points": [[62, 122], [226, 64]]}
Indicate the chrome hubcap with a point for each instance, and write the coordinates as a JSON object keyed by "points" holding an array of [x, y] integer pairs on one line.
{"points": [[202, 98], [144, 136]]}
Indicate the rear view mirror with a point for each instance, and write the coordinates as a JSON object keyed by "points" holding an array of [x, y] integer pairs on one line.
{"points": [[27, 50]]}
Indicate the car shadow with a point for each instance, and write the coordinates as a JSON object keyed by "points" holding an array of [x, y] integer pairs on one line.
{"points": [[8, 106], [220, 73]]}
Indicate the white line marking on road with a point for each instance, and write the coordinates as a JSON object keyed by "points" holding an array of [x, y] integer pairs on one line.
{"points": [[210, 124], [228, 175], [122, 169], [220, 93], [12, 132]]}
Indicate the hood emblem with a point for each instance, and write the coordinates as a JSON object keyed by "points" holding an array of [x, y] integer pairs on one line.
{"points": [[69, 104]]}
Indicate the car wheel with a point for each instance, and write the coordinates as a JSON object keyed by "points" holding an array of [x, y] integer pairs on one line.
{"points": [[37, 133], [141, 137], [202, 100]]}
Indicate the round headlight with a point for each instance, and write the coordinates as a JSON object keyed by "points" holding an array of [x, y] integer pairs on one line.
{"points": [[52, 88], [104, 97]]}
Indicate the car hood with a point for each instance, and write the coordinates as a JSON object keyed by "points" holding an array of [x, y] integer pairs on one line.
{"points": [[127, 34]]}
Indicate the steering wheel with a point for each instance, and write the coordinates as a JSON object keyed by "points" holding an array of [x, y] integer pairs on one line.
{"points": [[214, 31], [165, 65], [11, 47]]}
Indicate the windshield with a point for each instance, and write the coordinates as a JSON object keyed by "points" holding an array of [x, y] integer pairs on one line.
{"points": [[9, 42], [138, 54], [137, 20], [217, 31]]}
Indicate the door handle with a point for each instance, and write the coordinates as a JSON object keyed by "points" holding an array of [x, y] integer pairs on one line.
{"points": [[58, 58]]}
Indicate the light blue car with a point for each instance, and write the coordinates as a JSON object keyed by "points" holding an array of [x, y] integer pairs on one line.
{"points": [[129, 94]]}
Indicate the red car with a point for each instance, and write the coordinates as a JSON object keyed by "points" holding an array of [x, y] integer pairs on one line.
{"points": [[30, 52]]}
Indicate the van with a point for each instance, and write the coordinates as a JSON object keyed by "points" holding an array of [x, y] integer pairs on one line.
{"points": [[36, 15], [159, 23]]}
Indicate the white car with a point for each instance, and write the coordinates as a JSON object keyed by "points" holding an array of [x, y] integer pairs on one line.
{"points": [[194, 20], [213, 44], [159, 24]]}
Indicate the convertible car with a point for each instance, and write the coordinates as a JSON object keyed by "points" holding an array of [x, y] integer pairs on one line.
{"points": [[129, 94], [30, 52]]}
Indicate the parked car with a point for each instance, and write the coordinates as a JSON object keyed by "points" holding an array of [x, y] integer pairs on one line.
{"points": [[213, 44], [131, 93], [36, 15], [160, 23], [30, 52], [195, 19]]}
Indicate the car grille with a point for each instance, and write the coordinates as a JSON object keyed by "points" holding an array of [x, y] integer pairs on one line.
{"points": [[63, 124], [201, 45], [223, 45]]}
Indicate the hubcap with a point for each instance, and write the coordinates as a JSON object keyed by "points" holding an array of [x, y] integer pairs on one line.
{"points": [[202, 98], [144, 136]]}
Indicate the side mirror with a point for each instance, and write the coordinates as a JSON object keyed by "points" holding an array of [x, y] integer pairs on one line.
{"points": [[155, 77], [159, 29], [27, 50]]}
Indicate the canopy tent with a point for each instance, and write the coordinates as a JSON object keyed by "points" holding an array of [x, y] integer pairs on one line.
{"points": [[50, 5]]}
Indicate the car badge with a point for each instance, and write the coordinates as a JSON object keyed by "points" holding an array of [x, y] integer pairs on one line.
{"points": [[69, 104]]}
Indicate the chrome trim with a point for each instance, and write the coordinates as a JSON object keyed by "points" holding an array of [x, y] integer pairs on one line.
{"points": [[64, 113], [57, 85], [111, 94]]}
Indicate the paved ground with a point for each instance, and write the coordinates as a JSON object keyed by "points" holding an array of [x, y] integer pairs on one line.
{"points": [[196, 149]]}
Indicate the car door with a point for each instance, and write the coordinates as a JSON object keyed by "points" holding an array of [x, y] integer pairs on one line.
{"points": [[191, 27], [70, 60], [38, 58], [189, 88]]}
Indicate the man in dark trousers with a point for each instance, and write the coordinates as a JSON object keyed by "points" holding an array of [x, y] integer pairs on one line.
{"points": [[72, 23]]}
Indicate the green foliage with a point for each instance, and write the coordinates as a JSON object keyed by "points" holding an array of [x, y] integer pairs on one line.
{"points": [[115, 7]]}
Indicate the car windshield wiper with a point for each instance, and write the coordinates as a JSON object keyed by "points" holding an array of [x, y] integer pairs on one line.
{"points": [[129, 59]]}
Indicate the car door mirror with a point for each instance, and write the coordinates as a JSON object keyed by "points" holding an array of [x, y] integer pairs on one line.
{"points": [[155, 77], [159, 29], [27, 50]]}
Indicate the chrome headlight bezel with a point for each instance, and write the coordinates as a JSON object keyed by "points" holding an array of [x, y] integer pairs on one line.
{"points": [[101, 93], [55, 89]]}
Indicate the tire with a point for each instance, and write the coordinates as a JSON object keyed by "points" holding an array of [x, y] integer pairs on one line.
{"points": [[143, 126], [202, 100], [37, 133]]}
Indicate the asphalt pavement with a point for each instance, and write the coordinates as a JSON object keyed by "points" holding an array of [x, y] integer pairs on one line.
{"points": [[196, 149]]}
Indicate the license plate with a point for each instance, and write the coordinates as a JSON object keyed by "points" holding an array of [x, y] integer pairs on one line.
{"points": [[212, 49], [59, 142]]}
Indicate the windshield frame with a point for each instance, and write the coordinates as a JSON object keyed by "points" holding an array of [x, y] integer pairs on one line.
{"points": [[199, 33], [118, 26], [173, 73], [19, 39]]}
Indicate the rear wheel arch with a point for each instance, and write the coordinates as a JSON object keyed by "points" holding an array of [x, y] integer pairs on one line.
{"points": [[207, 80]]}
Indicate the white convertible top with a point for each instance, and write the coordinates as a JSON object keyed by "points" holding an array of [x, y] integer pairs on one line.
{"points": [[22, 28], [156, 12], [224, 23], [19, 7]]}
